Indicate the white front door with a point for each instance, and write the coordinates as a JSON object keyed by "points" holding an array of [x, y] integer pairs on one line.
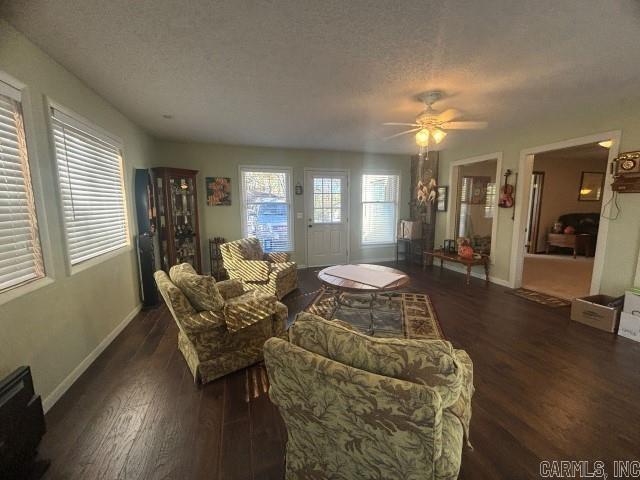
{"points": [[327, 214]]}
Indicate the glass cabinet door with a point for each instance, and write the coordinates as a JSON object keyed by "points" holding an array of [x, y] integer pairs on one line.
{"points": [[162, 223], [184, 211]]}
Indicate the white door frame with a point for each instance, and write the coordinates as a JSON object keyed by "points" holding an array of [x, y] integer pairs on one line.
{"points": [[523, 190], [453, 196], [308, 209]]}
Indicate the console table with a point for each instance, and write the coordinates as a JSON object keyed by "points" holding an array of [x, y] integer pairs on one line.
{"points": [[455, 258], [582, 242]]}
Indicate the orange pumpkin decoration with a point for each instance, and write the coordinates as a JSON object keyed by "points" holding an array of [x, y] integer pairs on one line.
{"points": [[465, 250]]}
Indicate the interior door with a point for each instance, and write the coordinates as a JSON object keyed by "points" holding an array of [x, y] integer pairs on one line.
{"points": [[533, 215], [326, 210]]}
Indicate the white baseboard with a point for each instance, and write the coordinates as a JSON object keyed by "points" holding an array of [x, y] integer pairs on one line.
{"points": [[361, 260], [374, 260], [60, 390], [475, 274]]}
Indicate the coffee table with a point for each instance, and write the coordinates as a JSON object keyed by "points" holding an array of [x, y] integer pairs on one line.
{"points": [[342, 285]]}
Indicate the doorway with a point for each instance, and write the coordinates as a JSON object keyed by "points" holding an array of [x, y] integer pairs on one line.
{"points": [[561, 219], [535, 206], [327, 215]]}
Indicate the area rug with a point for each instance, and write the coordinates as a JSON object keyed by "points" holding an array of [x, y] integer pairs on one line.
{"points": [[398, 314], [542, 298]]}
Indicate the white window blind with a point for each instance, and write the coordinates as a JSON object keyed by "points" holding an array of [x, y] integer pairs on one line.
{"points": [[20, 253], [92, 189], [379, 208], [266, 207], [491, 201]]}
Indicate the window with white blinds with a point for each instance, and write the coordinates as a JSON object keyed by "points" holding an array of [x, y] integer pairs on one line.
{"points": [[20, 253], [92, 188], [266, 207], [379, 208]]}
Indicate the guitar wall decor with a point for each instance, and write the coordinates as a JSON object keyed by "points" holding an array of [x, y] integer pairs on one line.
{"points": [[506, 193]]}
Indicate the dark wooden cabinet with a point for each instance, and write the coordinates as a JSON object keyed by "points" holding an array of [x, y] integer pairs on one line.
{"points": [[177, 217]]}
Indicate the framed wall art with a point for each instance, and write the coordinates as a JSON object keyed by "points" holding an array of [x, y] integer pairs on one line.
{"points": [[218, 191]]}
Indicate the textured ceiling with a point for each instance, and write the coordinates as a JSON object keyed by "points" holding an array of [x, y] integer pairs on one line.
{"points": [[326, 74]]}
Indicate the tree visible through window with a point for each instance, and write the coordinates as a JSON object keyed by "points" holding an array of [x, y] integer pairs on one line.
{"points": [[266, 201]]}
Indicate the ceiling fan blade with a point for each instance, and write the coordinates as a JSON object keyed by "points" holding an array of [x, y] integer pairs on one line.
{"points": [[403, 124], [464, 125], [448, 115], [401, 133]]}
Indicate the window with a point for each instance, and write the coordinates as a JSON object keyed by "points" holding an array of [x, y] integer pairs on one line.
{"points": [[379, 208], [91, 186], [327, 200], [491, 202], [266, 207], [20, 253]]}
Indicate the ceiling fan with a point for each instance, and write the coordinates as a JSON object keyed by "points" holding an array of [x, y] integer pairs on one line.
{"points": [[431, 124]]}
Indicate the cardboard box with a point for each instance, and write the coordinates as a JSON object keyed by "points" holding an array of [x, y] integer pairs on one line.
{"points": [[629, 326], [410, 230], [593, 311], [632, 303]]}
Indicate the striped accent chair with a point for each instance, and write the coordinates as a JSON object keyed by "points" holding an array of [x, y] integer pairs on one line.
{"points": [[221, 326], [270, 273]]}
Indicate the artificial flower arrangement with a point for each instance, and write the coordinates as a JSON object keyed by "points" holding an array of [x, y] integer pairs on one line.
{"points": [[426, 191]]}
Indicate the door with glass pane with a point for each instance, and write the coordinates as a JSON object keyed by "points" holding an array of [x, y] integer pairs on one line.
{"points": [[327, 217]]}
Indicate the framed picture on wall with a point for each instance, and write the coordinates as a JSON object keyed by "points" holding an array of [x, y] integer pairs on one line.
{"points": [[442, 199], [591, 185], [218, 191]]}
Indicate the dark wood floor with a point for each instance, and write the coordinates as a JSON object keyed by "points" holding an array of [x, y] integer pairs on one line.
{"points": [[546, 388]]}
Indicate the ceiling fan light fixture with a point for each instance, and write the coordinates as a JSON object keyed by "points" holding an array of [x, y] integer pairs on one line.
{"points": [[422, 137], [438, 135]]}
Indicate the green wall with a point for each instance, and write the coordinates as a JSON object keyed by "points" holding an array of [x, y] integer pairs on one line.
{"points": [[623, 241], [224, 161], [55, 327]]}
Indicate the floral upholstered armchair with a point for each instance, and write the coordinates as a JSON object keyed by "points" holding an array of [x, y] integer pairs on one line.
{"points": [[270, 273], [221, 328], [365, 407]]}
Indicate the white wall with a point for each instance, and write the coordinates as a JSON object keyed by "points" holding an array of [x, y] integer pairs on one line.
{"points": [[54, 328], [223, 161]]}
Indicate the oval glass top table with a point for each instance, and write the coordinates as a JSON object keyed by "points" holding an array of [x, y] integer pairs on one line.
{"points": [[368, 282]]}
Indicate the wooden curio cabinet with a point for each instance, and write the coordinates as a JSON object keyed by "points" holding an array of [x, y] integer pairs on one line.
{"points": [[177, 217]]}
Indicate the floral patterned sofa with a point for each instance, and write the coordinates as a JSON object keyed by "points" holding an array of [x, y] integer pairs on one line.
{"points": [[222, 327], [270, 273], [365, 407]]}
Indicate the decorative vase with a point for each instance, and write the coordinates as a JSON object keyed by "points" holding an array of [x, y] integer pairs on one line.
{"points": [[569, 230]]}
